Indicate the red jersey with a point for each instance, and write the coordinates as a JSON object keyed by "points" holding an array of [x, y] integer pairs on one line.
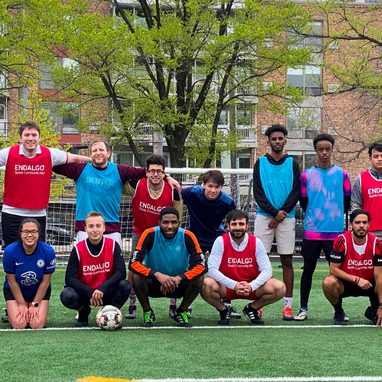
{"points": [[145, 208], [24, 174], [372, 199], [352, 262], [95, 270], [239, 266]]}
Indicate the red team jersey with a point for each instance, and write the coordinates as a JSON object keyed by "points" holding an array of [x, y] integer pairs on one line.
{"points": [[95, 270], [372, 199], [146, 209], [25, 174], [239, 266], [351, 261]]}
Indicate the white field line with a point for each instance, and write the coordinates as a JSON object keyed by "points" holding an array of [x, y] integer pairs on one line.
{"points": [[204, 327]]}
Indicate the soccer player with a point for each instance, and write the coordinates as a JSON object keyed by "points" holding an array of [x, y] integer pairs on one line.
{"points": [[28, 166], [239, 268], [276, 187], [96, 272], [367, 190], [207, 206], [150, 195], [325, 197], [99, 188], [28, 265], [356, 269], [167, 262]]}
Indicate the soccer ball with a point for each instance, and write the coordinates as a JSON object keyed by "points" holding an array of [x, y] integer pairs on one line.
{"points": [[109, 318]]}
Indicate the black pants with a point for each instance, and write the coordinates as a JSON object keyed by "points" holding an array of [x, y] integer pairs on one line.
{"points": [[116, 296], [10, 225]]}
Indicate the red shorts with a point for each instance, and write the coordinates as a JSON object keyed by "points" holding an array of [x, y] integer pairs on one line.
{"points": [[232, 295]]}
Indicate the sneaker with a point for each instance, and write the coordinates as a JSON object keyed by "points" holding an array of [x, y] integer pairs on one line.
{"points": [[225, 316], [148, 319], [252, 315], [339, 318], [83, 316], [287, 314], [301, 316], [171, 311], [5, 318], [189, 313], [131, 312], [371, 314], [346, 318], [232, 310], [182, 319]]}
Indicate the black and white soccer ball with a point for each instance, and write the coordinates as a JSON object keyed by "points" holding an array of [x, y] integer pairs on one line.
{"points": [[109, 318]]}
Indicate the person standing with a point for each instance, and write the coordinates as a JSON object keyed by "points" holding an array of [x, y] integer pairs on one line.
{"points": [[367, 190], [325, 198], [276, 188]]}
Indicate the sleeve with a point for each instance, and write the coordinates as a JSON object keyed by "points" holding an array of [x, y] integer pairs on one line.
{"points": [[214, 262], [259, 193], [59, 157], [145, 244], [119, 268], [347, 191], [71, 276], [197, 262], [177, 202], [356, 194], [264, 265], [304, 191], [9, 262], [4, 156], [50, 261], [294, 195], [378, 253], [129, 187], [128, 172], [71, 171], [339, 250], [186, 194]]}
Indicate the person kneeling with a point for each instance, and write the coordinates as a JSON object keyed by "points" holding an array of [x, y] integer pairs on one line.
{"points": [[356, 269], [239, 268], [167, 262], [96, 272], [28, 265]]}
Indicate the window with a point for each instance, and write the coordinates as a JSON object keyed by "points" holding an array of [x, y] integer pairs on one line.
{"points": [[303, 122], [130, 160], [46, 81], [244, 160], [314, 41], [307, 79], [64, 114], [3, 116], [305, 159], [243, 116]]}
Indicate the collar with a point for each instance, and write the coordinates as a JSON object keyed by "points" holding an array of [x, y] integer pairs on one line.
{"points": [[21, 150]]}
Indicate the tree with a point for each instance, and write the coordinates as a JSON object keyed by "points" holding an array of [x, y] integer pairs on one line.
{"points": [[174, 66]]}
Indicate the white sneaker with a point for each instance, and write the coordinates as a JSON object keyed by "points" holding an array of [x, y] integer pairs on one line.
{"points": [[302, 315]]}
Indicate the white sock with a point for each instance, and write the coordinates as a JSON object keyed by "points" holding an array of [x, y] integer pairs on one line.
{"points": [[288, 302]]}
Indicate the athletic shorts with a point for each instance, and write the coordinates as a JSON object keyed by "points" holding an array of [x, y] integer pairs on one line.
{"points": [[232, 295], [82, 235], [352, 290], [311, 249], [154, 290], [8, 295], [285, 234]]}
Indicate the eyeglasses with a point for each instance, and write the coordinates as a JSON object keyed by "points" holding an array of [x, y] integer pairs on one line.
{"points": [[26, 232], [152, 172]]}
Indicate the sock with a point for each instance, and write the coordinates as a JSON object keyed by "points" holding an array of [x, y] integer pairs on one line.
{"points": [[179, 310], [173, 301], [288, 302], [338, 307], [304, 308], [133, 299]]}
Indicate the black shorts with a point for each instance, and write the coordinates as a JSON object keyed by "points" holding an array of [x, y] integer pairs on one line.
{"points": [[9, 296], [154, 289], [352, 290], [311, 249]]}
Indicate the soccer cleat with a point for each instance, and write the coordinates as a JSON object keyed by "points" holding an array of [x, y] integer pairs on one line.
{"points": [[339, 318], [225, 316], [182, 319], [83, 316], [346, 318], [171, 311], [260, 312], [5, 318], [371, 314], [148, 319], [252, 315], [287, 314], [131, 312], [301, 316], [189, 312], [232, 310]]}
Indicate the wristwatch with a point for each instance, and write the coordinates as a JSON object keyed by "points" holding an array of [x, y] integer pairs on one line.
{"points": [[35, 304]]}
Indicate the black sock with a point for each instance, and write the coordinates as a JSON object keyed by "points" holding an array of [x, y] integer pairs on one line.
{"points": [[338, 307]]}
